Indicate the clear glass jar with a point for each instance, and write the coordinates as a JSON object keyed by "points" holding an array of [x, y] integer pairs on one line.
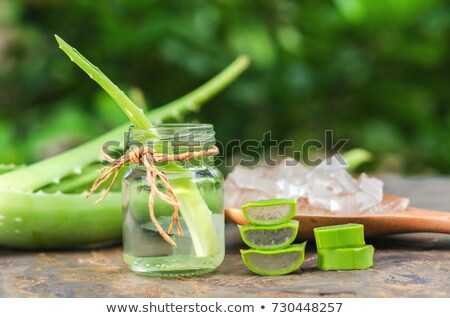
{"points": [[198, 186]]}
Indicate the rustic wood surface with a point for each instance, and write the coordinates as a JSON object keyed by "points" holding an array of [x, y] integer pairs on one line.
{"points": [[408, 265]]}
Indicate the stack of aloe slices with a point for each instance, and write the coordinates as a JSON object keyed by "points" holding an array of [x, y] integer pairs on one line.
{"points": [[270, 236], [342, 247]]}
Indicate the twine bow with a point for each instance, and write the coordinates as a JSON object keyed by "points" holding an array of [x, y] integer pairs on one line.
{"points": [[148, 157]]}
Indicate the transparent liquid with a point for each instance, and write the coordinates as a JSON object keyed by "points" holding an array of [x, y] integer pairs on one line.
{"points": [[146, 252]]}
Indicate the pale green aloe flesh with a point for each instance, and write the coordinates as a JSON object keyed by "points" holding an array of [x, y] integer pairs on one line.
{"points": [[37, 208], [274, 263], [269, 212], [269, 237]]}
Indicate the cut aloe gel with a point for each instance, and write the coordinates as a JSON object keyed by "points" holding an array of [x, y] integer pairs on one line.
{"points": [[269, 212], [346, 258], [337, 236], [274, 263], [269, 237]]}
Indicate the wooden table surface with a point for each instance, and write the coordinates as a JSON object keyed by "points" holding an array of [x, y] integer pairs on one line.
{"points": [[408, 265]]}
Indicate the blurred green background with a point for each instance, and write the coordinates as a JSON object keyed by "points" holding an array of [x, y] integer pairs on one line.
{"points": [[375, 72]]}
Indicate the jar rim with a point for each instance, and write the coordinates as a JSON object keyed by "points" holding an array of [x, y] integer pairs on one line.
{"points": [[184, 133]]}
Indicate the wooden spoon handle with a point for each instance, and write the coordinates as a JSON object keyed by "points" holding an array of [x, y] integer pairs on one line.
{"points": [[418, 220], [235, 215], [409, 221]]}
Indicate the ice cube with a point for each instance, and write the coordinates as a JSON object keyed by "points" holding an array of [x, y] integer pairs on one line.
{"points": [[244, 177], [346, 181], [344, 204], [364, 201], [236, 196], [289, 168], [331, 164], [303, 207], [289, 177], [389, 204], [371, 186], [252, 178], [320, 196]]}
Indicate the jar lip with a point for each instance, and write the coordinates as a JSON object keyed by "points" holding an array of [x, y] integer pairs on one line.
{"points": [[181, 133]]}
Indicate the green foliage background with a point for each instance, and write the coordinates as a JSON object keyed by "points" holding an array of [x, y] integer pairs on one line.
{"points": [[375, 72]]}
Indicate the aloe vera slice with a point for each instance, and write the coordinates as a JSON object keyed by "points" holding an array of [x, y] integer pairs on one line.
{"points": [[274, 263], [269, 237], [337, 236], [347, 258], [269, 212]]}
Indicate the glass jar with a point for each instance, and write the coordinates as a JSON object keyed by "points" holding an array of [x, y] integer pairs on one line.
{"points": [[198, 187]]}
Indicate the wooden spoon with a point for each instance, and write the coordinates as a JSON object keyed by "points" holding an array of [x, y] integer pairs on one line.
{"points": [[409, 221]]}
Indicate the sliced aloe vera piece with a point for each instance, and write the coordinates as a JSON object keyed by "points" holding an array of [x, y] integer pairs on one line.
{"points": [[274, 263], [269, 212], [347, 258], [337, 236], [269, 237]]}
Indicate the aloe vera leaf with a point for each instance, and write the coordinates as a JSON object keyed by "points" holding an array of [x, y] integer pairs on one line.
{"points": [[356, 157], [76, 182], [51, 170], [197, 216], [134, 113], [9, 167], [41, 220], [57, 220], [195, 212]]}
